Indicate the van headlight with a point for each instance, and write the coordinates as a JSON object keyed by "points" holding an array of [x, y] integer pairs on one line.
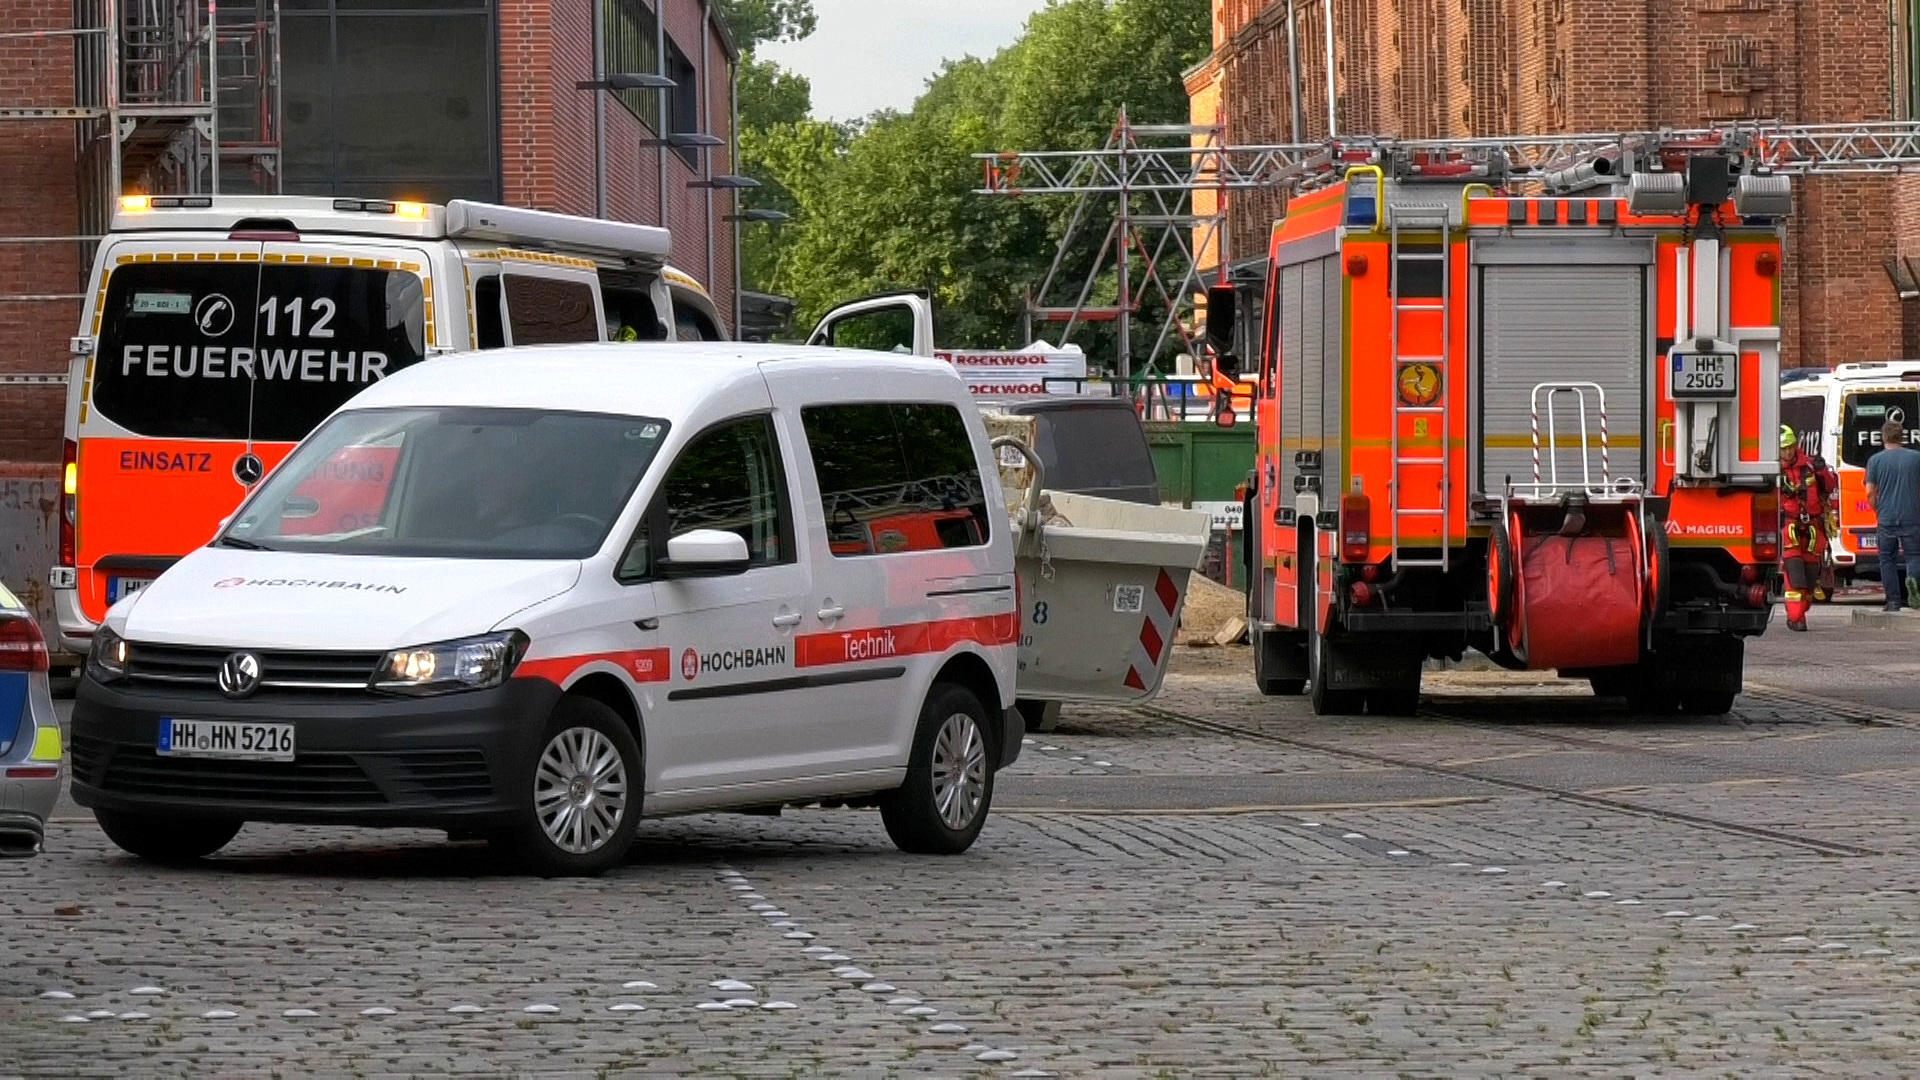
{"points": [[107, 659], [474, 663]]}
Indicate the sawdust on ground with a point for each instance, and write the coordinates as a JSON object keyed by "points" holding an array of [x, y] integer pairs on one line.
{"points": [[1209, 606]]}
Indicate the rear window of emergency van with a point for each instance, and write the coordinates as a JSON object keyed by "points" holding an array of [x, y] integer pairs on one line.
{"points": [[1867, 412], [232, 350]]}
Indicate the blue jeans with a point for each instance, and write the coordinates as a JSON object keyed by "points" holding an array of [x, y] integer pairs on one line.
{"points": [[1899, 559]]}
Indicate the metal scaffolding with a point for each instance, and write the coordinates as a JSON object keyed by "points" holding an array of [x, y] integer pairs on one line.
{"points": [[169, 96], [1136, 194], [1141, 185]]}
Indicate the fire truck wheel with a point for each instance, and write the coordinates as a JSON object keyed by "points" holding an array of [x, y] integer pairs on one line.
{"points": [[1276, 662], [1328, 702], [1394, 702], [1652, 700], [1612, 684], [1707, 703]]}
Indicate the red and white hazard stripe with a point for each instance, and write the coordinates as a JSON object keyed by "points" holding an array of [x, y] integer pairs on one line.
{"points": [[1159, 621]]}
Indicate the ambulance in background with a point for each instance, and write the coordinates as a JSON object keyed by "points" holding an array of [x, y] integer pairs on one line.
{"points": [[219, 330], [1838, 415]]}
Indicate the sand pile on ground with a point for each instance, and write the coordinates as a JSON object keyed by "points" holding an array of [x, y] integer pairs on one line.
{"points": [[1210, 605]]}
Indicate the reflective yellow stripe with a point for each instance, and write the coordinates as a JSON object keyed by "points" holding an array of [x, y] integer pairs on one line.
{"points": [[46, 744]]}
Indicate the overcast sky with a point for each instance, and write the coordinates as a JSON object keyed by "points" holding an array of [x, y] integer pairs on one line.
{"points": [[878, 54]]}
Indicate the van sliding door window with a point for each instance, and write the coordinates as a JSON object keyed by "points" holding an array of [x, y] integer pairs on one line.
{"points": [[550, 311], [896, 478]]}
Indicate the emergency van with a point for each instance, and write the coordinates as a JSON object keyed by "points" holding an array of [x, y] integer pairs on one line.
{"points": [[581, 585], [1838, 416], [218, 330]]}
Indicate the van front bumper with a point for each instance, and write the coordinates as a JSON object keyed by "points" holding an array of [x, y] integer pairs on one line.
{"points": [[455, 761]]}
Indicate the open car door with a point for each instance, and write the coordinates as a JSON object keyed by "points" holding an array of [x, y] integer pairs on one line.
{"points": [[894, 322]]}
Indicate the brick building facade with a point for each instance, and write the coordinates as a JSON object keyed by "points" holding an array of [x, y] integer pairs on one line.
{"points": [[430, 99], [1456, 68]]}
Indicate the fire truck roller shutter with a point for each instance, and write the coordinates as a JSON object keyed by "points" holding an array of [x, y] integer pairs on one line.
{"points": [[1293, 326], [1310, 361], [1561, 313], [1313, 352], [1332, 377]]}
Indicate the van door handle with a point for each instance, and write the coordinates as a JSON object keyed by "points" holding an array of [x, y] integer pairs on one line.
{"points": [[784, 621], [831, 614]]}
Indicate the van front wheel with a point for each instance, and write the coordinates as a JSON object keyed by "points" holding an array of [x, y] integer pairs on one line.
{"points": [[943, 805], [586, 785]]}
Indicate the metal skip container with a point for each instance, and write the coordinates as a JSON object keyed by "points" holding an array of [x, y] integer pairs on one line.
{"points": [[1101, 585]]}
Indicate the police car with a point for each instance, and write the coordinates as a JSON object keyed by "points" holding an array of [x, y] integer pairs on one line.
{"points": [[537, 594]]}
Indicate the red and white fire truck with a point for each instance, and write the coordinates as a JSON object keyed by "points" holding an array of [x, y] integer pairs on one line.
{"points": [[1537, 420]]}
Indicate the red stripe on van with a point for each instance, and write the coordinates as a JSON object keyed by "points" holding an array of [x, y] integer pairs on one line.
{"points": [[881, 642], [641, 665]]}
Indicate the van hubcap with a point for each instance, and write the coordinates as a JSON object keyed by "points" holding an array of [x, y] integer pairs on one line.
{"points": [[580, 790], [959, 771]]}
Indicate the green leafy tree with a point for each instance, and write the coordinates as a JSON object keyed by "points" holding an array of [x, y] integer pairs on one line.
{"points": [[755, 21], [889, 202]]}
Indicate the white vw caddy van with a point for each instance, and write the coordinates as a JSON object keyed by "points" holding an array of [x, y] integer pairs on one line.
{"points": [[536, 594]]}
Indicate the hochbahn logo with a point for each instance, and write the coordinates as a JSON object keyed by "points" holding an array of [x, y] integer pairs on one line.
{"points": [[693, 663], [306, 583]]}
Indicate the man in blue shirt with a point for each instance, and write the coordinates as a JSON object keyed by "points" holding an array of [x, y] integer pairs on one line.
{"points": [[1893, 487]]}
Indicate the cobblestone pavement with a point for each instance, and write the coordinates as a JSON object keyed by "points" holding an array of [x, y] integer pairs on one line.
{"points": [[1519, 881]]}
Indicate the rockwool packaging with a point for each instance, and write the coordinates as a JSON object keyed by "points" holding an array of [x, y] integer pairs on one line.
{"points": [[1038, 370]]}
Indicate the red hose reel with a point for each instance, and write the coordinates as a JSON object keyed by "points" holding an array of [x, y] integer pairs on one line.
{"points": [[1569, 584]]}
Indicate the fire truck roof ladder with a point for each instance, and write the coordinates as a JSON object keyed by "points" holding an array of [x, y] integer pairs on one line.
{"points": [[169, 96], [1420, 238]]}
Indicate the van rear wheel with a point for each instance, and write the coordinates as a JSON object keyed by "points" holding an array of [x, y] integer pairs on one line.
{"points": [[585, 802], [943, 805], [167, 840]]}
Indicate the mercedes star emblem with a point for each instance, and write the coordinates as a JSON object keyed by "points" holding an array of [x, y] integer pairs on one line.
{"points": [[240, 675], [248, 470]]}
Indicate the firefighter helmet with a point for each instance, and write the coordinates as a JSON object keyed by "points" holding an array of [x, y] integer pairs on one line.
{"points": [[1788, 438]]}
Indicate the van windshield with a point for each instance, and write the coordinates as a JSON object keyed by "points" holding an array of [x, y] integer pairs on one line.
{"points": [[1866, 412], [452, 483], [233, 350]]}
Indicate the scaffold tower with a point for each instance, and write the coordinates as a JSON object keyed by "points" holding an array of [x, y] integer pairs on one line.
{"points": [[168, 97]]}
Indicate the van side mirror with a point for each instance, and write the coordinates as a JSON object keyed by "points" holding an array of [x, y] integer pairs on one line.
{"points": [[1221, 300], [705, 553]]}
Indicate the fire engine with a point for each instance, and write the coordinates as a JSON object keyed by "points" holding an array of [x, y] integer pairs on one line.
{"points": [[1541, 423]]}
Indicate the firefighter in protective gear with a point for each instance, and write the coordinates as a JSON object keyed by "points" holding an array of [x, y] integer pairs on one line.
{"points": [[1807, 491]]}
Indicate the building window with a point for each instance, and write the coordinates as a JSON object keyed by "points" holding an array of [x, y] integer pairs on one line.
{"points": [[683, 101], [390, 98], [632, 43]]}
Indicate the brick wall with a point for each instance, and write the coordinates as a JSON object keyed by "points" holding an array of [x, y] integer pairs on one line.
{"points": [[547, 161], [39, 196], [1424, 68], [547, 133]]}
